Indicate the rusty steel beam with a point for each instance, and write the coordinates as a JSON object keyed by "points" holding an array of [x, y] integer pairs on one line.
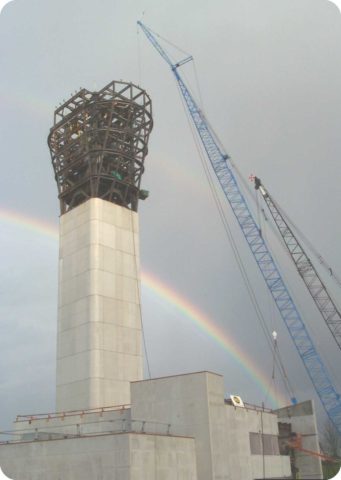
{"points": [[98, 144]]}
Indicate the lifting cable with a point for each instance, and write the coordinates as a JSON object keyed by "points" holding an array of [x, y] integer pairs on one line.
{"points": [[293, 294], [276, 352], [273, 373], [314, 332], [247, 187], [278, 358], [137, 269], [169, 43], [236, 253], [222, 215], [139, 56], [308, 242]]}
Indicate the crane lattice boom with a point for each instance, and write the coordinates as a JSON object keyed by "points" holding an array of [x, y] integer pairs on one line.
{"points": [[315, 368], [305, 268]]}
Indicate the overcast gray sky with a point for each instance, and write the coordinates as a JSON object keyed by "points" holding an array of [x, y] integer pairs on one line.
{"points": [[269, 75]]}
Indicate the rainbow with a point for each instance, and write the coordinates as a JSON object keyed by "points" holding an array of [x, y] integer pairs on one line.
{"points": [[167, 294], [217, 333], [31, 224]]}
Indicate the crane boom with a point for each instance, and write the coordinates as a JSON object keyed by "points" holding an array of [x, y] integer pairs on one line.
{"points": [[305, 268], [315, 368]]}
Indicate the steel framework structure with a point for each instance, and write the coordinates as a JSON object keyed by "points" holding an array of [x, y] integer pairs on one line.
{"points": [[98, 145], [312, 361], [305, 268]]}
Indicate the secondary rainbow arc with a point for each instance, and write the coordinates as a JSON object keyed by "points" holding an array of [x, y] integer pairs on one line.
{"points": [[168, 294]]}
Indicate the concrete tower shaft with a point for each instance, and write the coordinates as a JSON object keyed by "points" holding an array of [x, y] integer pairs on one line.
{"points": [[98, 145]]}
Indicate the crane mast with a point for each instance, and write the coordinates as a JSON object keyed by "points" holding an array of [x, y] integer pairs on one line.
{"points": [[305, 268], [315, 368]]}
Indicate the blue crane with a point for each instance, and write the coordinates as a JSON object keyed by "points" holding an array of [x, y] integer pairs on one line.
{"points": [[219, 160]]}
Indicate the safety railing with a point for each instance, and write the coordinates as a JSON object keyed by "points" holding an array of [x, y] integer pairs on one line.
{"points": [[86, 429], [70, 413]]}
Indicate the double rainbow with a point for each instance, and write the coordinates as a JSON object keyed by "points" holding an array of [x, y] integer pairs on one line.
{"points": [[169, 295]]}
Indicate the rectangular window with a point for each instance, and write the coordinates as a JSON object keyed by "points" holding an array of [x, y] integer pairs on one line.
{"points": [[256, 443], [269, 443]]}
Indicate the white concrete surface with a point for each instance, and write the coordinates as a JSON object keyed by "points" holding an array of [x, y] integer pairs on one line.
{"points": [[125, 456], [181, 401], [241, 422], [99, 326], [193, 405]]}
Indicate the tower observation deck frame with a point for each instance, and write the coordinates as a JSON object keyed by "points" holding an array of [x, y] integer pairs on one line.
{"points": [[98, 145]]}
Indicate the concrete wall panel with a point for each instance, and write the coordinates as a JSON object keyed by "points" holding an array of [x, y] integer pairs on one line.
{"points": [[110, 457], [99, 324], [182, 402]]}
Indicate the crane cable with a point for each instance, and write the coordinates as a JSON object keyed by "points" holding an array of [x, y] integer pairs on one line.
{"points": [[224, 220], [235, 250], [295, 297], [333, 275], [274, 333], [169, 43], [281, 241], [271, 313], [308, 242], [227, 229], [273, 372], [314, 250], [137, 269], [139, 56]]}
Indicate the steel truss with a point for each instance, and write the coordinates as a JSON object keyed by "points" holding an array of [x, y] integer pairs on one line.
{"points": [[98, 145], [305, 268]]}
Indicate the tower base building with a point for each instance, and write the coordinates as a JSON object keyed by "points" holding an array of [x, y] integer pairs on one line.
{"points": [[178, 427]]}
